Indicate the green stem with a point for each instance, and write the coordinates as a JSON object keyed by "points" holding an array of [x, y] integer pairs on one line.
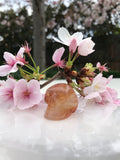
{"points": [[69, 57], [30, 67], [47, 69], [26, 72], [74, 58], [33, 62], [95, 67], [77, 88]]}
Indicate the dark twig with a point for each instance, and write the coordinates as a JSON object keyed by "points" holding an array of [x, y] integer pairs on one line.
{"points": [[56, 76]]}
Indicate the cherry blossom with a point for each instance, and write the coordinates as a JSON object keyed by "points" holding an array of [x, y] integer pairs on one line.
{"points": [[99, 91], [98, 86], [109, 95], [88, 15], [6, 92], [102, 67], [86, 47], [11, 62], [27, 94]]}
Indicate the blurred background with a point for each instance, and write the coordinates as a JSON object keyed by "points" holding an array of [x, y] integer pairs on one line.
{"points": [[37, 21]]}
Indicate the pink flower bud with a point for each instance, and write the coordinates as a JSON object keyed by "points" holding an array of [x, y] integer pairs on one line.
{"points": [[27, 48], [73, 46]]}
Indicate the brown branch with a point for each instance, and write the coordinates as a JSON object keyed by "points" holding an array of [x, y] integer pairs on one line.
{"points": [[56, 76]]}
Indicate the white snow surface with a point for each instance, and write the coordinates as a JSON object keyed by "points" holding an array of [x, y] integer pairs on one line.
{"points": [[92, 132]]}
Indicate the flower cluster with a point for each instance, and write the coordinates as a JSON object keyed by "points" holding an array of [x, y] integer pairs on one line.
{"points": [[96, 17], [20, 94], [100, 92], [25, 92]]}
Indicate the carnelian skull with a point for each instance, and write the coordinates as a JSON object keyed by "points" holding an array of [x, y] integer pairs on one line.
{"points": [[62, 101]]}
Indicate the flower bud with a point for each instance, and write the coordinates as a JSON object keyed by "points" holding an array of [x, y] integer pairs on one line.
{"points": [[73, 46], [73, 73]]}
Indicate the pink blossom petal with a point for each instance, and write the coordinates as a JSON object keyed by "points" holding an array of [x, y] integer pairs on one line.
{"points": [[21, 101], [20, 60], [99, 76], [98, 99], [9, 58], [58, 54], [10, 83], [21, 86], [109, 79], [27, 94], [92, 95], [5, 70], [19, 57], [34, 87], [6, 100], [98, 64], [117, 102], [78, 36], [86, 47], [20, 52], [57, 40], [73, 46], [106, 97], [6, 93], [61, 64], [113, 92], [64, 35], [88, 90], [100, 81], [14, 68]]}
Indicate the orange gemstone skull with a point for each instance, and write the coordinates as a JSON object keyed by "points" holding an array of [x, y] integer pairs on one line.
{"points": [[62, 101]]}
